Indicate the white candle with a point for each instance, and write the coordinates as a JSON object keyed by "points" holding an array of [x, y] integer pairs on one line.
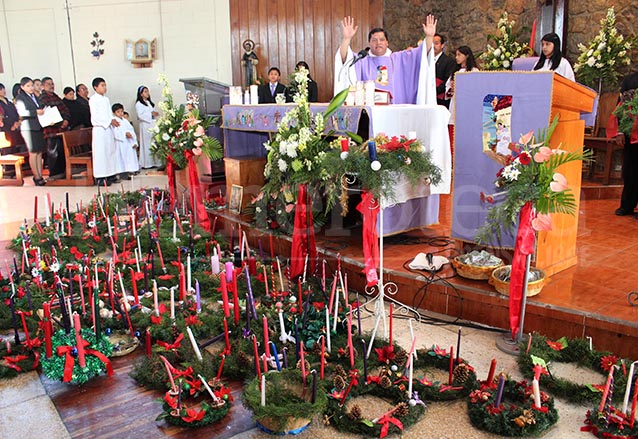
{"points": [[336, 308], [208, 389], [263, 390], [172, 303], [122, 285], [328, 329], [281, 278], [411, 335], [155, 303], [410, 376], [214, 263], [343, 288], [69, 310], [537, 393], [137, 260], [198, 353], [189, 280], [139, 246], [283, 336], [625, 403], [133, 226], [174, 230], [305, 265], [97, 279]]}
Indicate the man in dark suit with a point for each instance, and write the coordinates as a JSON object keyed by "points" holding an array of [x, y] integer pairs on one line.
{"points": [[268, 92], [445, 66]]}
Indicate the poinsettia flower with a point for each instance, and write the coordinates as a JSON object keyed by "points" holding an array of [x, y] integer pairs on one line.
{"points": [[543, 154], [385, 354], [192, 321], [319, 306], [423, 380], [542, 221], [193, 415], [196, 386], [335, 394], [224, 391], [439, 352], [607, 362], [290, 207], [556, 345], [163, 276], [170, 400], [559, 182]]}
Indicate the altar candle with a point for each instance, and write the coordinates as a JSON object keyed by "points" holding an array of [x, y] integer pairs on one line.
{"points": [[80, 283], [358, 315], [266, 343], [198, 353], [235, 296], [490, 375], [499, 390], [282, 328], [323, 276], [155, 301], [323, 356], [391, 312], [332, 293], [450, 377], [119, 275], [48, 325], [174, 230], [226, 337], [410, 378], [256, 353], [108, 226], [189, 279], [328, 330], [252, 265], [229, 271], [537, 393], [276, 356], [458, 347], [149, 351], [133, 283], [214, 262], [133, 225], [305, 266], [197, 297], [78, 340], [172, 303], [303, 362], [263, 390], [350, 347]]}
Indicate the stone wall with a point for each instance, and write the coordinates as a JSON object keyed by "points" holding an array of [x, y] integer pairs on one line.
{"points": [[468, 22]]}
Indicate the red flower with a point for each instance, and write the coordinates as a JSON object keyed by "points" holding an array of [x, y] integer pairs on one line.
{"points": [[193, 415], [556, 345], [319, 306], [542, 408], [192, 321], [524, 158], [607, 362], [164, 276], [224, 391], [385, 354], [170, 400]]}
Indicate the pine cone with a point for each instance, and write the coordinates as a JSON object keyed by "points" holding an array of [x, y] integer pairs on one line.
{"points": [[355, 413], [339, 370], [339, 383], [402, 410], [385, 382], [400, 357], [243, 361], [461, 374], [307, 364]]}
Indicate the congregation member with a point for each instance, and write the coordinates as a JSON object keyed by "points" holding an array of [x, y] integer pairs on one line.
{"points": [[73, 106], [30, 128], [82, 99], [103, 148], [445, 67], [146, 116], [10, 123], [126, 144], [268, 92], [37, 87], [313, 89], [551, 57], [56, 161], [408, 75]]}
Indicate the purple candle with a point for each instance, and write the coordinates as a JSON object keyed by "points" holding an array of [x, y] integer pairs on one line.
{"points": [[499, 390], [197, 296]]}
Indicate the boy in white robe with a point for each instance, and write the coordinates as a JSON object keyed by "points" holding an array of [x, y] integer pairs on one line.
{"points": [[103, 144], [126, 144]]}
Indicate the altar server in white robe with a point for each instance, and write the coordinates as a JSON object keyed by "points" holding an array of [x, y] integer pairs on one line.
{"points": [[126, 144], [409, 75], [103, 144], [146, 116]]}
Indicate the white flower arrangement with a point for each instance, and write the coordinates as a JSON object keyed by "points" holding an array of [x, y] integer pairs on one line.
{"points": [[506, 48], [600, 60]]}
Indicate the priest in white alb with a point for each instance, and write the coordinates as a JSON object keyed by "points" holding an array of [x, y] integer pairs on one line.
{"points": [[409, 75]]}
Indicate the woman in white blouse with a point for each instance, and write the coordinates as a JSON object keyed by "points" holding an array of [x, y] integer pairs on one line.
{"points": [[551, 57], [146, 116]]}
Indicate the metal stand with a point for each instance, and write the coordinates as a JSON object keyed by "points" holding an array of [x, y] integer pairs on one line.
{"points": [[504, 341]]}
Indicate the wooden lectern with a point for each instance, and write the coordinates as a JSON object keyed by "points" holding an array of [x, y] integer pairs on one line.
{"points": [[536, 98]]}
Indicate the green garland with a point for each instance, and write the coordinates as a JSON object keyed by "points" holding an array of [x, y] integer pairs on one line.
{"points": [[211, 415], [282, 400], [613, 424], [571, 351], [461, 386], [53, 367], [516, 416]]}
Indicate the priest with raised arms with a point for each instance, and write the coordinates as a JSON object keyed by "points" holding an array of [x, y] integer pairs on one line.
{"points": [[409, 75]]}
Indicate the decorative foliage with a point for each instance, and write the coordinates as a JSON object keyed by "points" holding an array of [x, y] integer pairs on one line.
{"points": [[542, 352], [627, 111], [97, 44], [516, 415], [530, 175], [177, 412], [505, 48], [180, 133], [601, 59], [463, 381], [615, 425]]}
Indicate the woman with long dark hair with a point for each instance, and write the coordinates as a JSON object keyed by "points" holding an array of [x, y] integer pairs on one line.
{"points": [[10, 121], [146, 116], [551, 57], [29, 109], [465, 62]]}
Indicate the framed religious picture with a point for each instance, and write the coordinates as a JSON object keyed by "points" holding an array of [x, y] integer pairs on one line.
{"points": [[141, 52], [236, 195]]}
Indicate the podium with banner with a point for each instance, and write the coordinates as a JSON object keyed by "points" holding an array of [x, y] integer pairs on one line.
{"points": [[494, 109]]}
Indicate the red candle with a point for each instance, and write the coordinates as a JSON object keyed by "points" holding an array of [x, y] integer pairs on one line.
{"points": [[224, 288], [391, 309], [265, 363], [300, 300], [332, 294], [221, 365], [235, 298], [450, 377], [267, 345], [182, 282], [606, 391], [257, 367], [490, 376], [35, 210], [345, 147], [78, 340], [632, 416], [159, 251], [115, 227], [46, 306], [323, 356], [149, 346], [303, 363], [226, 339], [134, 283], [24, 326], [252, 265]]}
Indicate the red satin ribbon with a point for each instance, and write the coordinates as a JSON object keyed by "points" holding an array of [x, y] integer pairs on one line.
{"points": [[170, 170], [303, 235], [524, 246], [385, 422], [12, 362], [175, 345], [369, 209], [196, 192], [69, 362], [602, 434]]}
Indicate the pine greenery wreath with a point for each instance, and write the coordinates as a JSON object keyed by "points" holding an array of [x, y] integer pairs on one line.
{"points": [[543, 351], [53, 367], [177, 412], [516, 415], [463, 376], [611, 425]]}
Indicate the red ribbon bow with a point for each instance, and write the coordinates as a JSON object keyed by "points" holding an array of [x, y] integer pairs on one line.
{"points": [[385, 422], [69, 362], [175, 345]]}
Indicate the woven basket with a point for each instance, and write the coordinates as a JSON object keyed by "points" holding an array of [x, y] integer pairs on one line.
{"points": [[123, 344], [533, 288], [476, 272]]}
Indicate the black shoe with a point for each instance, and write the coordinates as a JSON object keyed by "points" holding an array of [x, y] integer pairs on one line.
{"points": [[39, 181], [621, 211], [102, 181]]}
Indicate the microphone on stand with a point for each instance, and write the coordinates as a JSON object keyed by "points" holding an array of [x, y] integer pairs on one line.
{"points": [[362, 54]]}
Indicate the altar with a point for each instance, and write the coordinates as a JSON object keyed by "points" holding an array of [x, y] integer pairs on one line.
{"points": [[247, 127]]}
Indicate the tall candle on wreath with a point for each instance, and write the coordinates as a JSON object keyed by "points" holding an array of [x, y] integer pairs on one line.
{"points": [[303, 235], [524, 246]]}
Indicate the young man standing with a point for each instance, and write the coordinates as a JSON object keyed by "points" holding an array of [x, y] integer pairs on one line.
{"points": [[268, 92], [103, 145]]}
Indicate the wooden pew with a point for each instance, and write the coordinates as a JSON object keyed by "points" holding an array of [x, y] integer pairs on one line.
{"points": [[77, 151], [12, 160]]}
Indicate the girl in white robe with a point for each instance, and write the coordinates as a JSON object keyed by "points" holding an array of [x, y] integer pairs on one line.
{"points": [[126, 143], [146, 116]]}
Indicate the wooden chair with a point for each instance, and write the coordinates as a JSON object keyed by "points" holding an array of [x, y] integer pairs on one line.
{"points": [[11, 160], [77, 150], [603, 148]]}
